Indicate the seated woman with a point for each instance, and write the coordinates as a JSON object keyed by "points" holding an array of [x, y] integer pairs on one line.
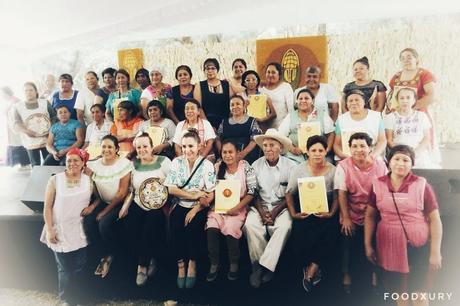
{"points": [[65, 134], [374, 91], [230, 223], [353, 179], [98, 128], [410, 127], [241, 129], [67, 194], [315, 233], [193, 121], [213, 94], [358, 119], [33, 119], [157, 90], [111, 175], [180, 94], [123, 93], [191, 179], [126, 126], [251, 81], [157, 113], [306, 112], [145, 225], [404, 209]]}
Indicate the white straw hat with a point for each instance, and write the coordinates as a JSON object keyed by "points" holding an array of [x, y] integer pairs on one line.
{"points": [[274, 134]]}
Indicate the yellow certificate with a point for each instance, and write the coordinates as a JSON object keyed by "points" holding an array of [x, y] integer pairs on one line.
{"points": [[346, 136], [227, 195], [116, 102], [394, 105], [158, 135], [257, 107], [312, 195], [94, 150], [305, 131]]}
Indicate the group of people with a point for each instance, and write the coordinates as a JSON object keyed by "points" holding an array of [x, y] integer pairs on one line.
{"points": [[194, 136]]}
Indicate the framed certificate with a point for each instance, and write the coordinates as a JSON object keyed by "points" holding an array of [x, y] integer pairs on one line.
{"points": [[257, 107], [305, 131], [312, 194], [227, 195], [158, 135], [94, 150], [346, 137], [116, 102]]}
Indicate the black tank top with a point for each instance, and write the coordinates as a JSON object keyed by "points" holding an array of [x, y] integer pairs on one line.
{"points": [[179, 102], [215, 106]]}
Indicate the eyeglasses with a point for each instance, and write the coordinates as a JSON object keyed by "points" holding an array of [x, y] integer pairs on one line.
{"points": [[210, 68]]}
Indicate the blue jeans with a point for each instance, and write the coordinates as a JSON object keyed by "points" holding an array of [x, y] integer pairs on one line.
{"points": [[69, 265]]}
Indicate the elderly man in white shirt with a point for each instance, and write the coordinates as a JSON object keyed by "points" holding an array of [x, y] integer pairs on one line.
{"points": [[268, 223]]}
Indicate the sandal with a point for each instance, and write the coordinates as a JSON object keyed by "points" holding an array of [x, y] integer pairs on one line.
{"points": [[98, 270], [107, 261]]}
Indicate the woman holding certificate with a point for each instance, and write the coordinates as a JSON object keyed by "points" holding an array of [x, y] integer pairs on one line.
{"points": [[145, 220], [358, 119], [260, 106], [279, 91], [126, 126], [353, 179], [225, 220], [404, 209], [192, 180], [304, 123], [315, 224], [241, 129], [160, 129]]}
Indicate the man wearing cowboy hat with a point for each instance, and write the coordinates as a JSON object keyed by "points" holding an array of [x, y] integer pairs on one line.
{"points": [[268, 223]]}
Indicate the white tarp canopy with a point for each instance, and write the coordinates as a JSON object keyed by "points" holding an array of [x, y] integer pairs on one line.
{"points": [[35, 28]]}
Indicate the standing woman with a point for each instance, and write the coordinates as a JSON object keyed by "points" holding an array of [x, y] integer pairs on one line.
{"points": [[359, 119], [108, 78], [213, 94], [353, 179], [157, 90], [306, 112], [279, 92], [180, 94], [66, 95], [374, 91], [33, 120], [157, 113], [316, 232], [423, 81], [230, 223], [410, 127], [241, 129], [239, 66], [251, 81], [126, 126], [123, 93], [67, 194], [85, 98], [111, 175], [192, 180], [142, 78], [145, 224], [405, 211], [193, 120]]}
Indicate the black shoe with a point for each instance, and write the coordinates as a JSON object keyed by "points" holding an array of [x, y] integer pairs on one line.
{"points": [[232, 275], [212, 276], [307, 284]]}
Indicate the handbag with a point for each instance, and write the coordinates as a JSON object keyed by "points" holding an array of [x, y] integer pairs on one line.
{"points": [[417, 257], [175, 200]]}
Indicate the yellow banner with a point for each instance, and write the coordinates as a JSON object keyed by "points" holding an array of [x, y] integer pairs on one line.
{"points": [[131, 60]]}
